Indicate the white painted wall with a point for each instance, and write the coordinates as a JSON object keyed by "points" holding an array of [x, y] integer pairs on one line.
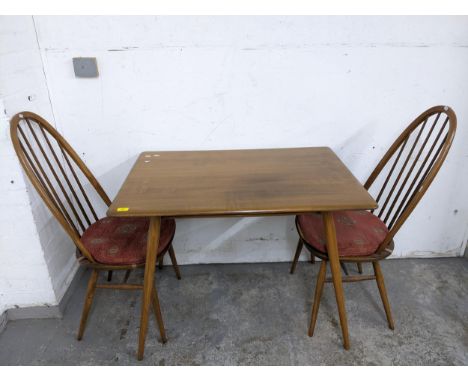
{"points": [[24, 273], [175, 83]]}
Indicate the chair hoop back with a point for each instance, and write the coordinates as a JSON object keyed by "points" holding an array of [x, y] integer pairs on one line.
{"points": [[57, 173], [410, 165]]}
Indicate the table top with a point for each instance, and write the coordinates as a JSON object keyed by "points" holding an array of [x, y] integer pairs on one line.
{"points": [[239, 183]]}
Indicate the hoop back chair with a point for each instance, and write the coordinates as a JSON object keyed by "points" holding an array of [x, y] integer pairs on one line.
{"points": [[61, 179], [400, 179]]}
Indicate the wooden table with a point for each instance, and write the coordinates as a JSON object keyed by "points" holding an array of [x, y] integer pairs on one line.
{"points": [[239, 183]]}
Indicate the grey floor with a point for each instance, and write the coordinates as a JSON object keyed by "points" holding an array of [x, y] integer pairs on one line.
{"points": [[257, 314]]}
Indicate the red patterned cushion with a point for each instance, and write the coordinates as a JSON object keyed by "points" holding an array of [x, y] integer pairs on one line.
{"points": [[122, 241], [359, 233]]}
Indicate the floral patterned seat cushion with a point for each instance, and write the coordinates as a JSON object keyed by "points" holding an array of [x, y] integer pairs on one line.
{"points": [[359, 233], [122, 241]]}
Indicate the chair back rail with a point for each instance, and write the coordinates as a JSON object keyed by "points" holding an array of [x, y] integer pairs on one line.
{"points": [[57, 173], [408, 168]]}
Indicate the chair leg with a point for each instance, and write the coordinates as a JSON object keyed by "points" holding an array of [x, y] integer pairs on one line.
{"points": [[300, 244], [109, 276], [157, 313], [127, 275], [161, 262], [345, 270], [359, 267], [383, 293], [174, 262], [312, 258], [88, 301], [317, 297]]}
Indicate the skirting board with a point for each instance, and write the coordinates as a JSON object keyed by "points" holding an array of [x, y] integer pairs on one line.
{"points": [[52, 311]]}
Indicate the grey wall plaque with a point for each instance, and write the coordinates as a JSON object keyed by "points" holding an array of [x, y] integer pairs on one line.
{"points": [[85, 67]]}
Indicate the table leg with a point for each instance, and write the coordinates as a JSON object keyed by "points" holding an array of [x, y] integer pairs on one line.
{"points": [[333, 255], [151, 254]]}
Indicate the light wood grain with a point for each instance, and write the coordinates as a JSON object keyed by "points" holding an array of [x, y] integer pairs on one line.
{"points": [[239, 182]]}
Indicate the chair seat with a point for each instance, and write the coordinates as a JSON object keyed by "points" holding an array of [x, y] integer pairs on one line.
{"points": [[122, 241], [359, 233]]}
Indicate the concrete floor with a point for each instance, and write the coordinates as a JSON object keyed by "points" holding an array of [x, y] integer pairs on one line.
{"points": [[257, 314]]}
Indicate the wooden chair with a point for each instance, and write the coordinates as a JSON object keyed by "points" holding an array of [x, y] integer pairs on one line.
{"points": [[401, 177], [67, 187]]}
